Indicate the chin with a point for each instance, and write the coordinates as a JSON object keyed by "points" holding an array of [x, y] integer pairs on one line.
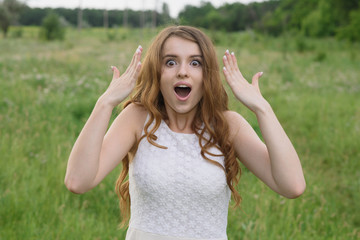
{"points": [[184, 109]]}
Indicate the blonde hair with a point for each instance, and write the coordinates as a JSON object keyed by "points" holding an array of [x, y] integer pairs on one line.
{"points": [[209, 118]]}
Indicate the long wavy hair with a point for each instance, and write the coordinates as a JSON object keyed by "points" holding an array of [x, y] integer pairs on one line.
{"points": [[209, 124]]}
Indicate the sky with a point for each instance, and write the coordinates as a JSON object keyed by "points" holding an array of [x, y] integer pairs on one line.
{"points": [[175, 6]]}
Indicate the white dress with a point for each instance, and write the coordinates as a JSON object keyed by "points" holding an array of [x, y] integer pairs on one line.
{"points": [[175, 193]]}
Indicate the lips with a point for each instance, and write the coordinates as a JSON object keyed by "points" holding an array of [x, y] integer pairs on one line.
{"points": [[182, 91]]}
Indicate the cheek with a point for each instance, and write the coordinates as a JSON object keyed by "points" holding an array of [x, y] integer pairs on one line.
{"points": [[165, 86]]}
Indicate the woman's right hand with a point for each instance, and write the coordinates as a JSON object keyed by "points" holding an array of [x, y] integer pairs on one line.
{"points": [[121, 86]]}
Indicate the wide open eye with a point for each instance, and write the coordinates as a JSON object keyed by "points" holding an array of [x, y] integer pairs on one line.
{"points": [[195, 63], [170, 63]]}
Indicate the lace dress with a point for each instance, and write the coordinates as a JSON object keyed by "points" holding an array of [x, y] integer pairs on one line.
{"points": [[175, 193]]}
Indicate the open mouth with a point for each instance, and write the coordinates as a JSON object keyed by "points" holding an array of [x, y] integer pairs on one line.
{"points": [[182, 91]]}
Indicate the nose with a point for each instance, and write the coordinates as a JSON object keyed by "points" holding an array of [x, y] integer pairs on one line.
{"points": [[182, 71]]}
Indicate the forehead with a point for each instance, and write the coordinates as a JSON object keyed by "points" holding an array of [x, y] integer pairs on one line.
{"points": [[180, 47]]}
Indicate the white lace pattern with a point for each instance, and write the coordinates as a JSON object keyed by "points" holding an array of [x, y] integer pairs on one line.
{"points": [[174, 191]]}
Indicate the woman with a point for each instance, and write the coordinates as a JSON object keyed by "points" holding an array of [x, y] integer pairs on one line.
{"points": [[179, 142]]}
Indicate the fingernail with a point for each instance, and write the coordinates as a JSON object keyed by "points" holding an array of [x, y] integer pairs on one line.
{"points": [[112, 67], [140, 46], [232, 53], [227, 50], [224, 68], [225, 57], [261, 73]]}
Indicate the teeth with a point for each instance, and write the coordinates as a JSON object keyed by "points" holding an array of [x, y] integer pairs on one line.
{"points": [[182, 86]]}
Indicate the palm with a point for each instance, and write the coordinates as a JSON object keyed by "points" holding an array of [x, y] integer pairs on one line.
{"points": [[248, 93], [122, 85]]}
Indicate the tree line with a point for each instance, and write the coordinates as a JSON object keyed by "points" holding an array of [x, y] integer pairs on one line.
{"points": [[95, 17], [315, 18]]}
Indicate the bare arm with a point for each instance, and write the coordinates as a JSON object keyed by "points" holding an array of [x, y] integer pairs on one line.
{"points": [[276, 162], [95, 154]]}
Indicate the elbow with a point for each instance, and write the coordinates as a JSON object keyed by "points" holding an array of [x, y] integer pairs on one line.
{"points": [[297, 191], [74, 186]]}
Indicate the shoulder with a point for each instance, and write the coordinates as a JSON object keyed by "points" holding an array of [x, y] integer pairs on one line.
{"points": [[135, 116], [235, 122], [234, 118], [136, 111]]}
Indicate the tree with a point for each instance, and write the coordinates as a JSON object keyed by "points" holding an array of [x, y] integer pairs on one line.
{"points": [[9, 13], [195, 16], [352, 30], [51, 28], [165, 13]]}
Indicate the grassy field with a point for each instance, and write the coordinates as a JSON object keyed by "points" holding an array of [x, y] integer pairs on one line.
{"points": [[48, 89]]}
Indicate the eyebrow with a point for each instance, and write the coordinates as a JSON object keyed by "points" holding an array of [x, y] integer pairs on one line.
{"points": [[175, 56]]}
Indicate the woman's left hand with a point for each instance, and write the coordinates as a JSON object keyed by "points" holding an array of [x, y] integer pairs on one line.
{"points": [[248, 94]]}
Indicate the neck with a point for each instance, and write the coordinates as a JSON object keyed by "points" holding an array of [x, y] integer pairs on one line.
{"points": [[180, 122]]}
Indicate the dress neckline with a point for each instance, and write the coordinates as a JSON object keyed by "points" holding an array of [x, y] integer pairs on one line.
{"points": [[173, 132]]}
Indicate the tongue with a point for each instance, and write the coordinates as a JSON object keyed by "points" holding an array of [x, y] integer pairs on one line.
{"points": [[182, 92]]}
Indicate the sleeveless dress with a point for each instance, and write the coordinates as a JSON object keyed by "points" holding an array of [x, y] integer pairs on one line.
{"points": [[175, 193]]}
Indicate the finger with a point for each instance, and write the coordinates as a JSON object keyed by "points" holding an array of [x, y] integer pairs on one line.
{"points": [[225, 71], [138, 59], [255, 79], [116, 72], [234, 64], [135, 59], [226, 63], [234, 60], [228, 60], [137, 63], [137, 70], [228, 77], [226, 74], [138, 54]]}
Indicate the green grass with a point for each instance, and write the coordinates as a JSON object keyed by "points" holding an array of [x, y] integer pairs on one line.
{"points": [[47, 90]]}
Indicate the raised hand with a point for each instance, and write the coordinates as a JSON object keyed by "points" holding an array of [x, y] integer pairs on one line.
{"points": [[122, 85], [248, 94]]}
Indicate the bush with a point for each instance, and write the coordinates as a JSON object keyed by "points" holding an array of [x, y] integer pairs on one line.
{"points": [[111, 34], [17, 32], [319, 22], [352, 31], [51, 28], [320, 56], [301, 44]]}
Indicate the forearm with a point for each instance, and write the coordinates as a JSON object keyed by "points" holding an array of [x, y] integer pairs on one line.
{"points": [[83, 162], [285, 164]]}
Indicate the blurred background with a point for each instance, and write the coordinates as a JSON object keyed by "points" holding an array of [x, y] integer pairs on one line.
{"points": [[55, 59]]}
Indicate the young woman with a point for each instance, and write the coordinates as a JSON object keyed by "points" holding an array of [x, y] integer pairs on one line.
{"points": [[179, 143]]}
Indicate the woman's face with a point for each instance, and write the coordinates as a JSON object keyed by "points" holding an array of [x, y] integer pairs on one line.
{"points": [[181, 82]]}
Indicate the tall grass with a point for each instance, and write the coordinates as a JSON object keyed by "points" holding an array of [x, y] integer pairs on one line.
{"points": [[48, 89]]}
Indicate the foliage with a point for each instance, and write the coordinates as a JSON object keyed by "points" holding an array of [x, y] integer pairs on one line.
{"points": [[52, 28], [311, 17], [351, 31], [229, 17], [9, 13], [16, 32], [320, 22], [94, 17], [165, 13]]}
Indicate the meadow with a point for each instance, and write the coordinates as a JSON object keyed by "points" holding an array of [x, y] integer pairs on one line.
{"points": [[48, 89]]}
